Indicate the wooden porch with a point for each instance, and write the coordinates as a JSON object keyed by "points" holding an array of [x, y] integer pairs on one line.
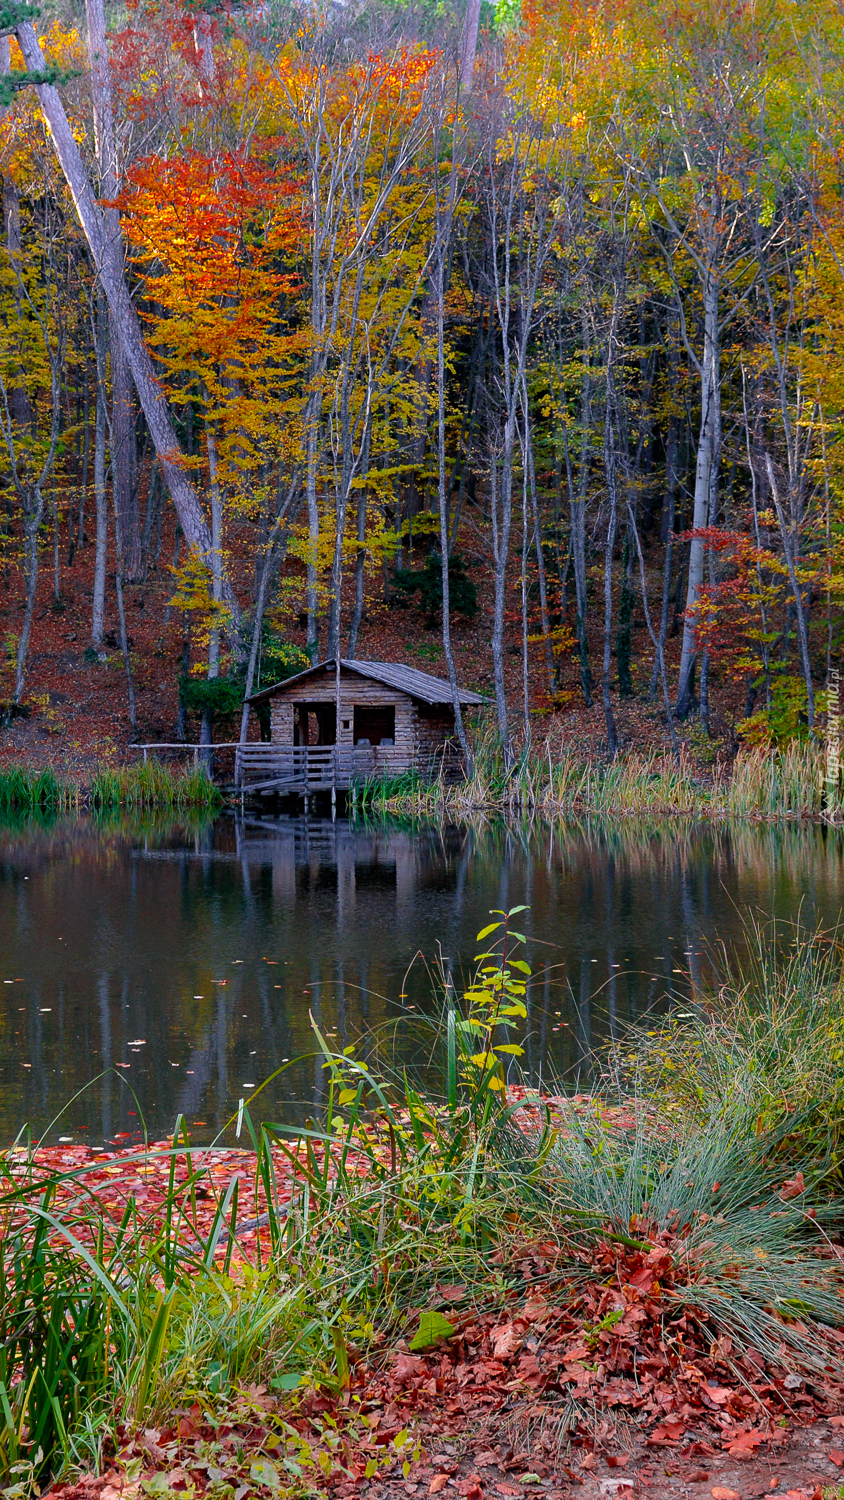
{"points": [[268, 767]]}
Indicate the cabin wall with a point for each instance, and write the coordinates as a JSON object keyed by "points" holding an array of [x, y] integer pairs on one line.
{"points": [[422, 734], [435, 734], [361, 692]]}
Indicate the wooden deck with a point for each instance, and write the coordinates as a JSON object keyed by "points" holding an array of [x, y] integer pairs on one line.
{"points": [[316, 768]]}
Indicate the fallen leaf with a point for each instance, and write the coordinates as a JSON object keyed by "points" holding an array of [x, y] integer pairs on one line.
{"points": [[505, 1341], [433, 1328], [745, 1445], [793, 1187], [406, 1366], [617, 1460], [438, 1483], [836, 1457], [720, 1493]]}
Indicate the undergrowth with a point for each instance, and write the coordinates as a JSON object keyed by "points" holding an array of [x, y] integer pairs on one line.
{"points": [[714, 1144]]}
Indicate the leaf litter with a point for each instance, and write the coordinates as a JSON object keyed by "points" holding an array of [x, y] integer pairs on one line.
{"points": [[541, 1389]]}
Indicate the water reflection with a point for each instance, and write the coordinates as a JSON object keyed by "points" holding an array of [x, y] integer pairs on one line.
{"points": [[182, 963]]}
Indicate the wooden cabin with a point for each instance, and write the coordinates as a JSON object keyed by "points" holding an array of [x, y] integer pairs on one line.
{"points": [[372, 719]]}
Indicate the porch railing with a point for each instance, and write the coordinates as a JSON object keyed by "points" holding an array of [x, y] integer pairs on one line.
{"points": [[315, 767]]}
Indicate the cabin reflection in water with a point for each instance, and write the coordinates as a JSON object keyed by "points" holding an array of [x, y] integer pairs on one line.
{"points": [[309, 856]]}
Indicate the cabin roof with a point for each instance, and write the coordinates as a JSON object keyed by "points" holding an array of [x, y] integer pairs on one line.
{"points": [[416, 684]]}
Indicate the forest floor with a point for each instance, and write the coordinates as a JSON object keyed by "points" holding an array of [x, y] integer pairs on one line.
{"points": [[531, 1396], [77, 717]]}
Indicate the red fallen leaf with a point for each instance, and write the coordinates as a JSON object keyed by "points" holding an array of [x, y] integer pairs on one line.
{"points": [[588, 1462], [438, 1482], [666, 1432], [470, 1489], [836, 1421], [745, 1444], [406, 1366], [836, 1457], [699, 1476], [617, 1460], [721, 1493], [793, 1187], [717, 1393], [507, 1489], [505, 1341]]}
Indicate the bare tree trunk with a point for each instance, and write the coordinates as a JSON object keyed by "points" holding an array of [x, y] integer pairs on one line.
{"points": [[469, 44], [124, 457], [501, 551], [609, 545], [313, 535], [577, 502], [524, 593], [710, 402], [207, 721], [668, 528], [100, 501], [33, 515], [122, 411], [545, 620], [108, 262], [802, 633], [121, 617], [360, 561]]}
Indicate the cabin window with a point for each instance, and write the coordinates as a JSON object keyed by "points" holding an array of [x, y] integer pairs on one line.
{"points": [[375, 725], [315, 724]]}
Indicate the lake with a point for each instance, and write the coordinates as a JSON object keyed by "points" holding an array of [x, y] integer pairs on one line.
{"points": [[154, 969]]}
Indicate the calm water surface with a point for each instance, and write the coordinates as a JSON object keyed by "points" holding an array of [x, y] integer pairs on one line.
{"points": [[167, 970]]}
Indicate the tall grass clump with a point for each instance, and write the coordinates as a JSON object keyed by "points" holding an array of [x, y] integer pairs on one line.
{"points": [[757, 784], [42, 792], [767, 1045], [105, 1321], [153, 785]]}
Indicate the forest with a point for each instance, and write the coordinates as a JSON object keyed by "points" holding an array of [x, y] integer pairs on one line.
{"points": [[508, 343]]}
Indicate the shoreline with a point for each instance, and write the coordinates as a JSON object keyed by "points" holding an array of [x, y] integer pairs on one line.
{"points": [[757, 786]]}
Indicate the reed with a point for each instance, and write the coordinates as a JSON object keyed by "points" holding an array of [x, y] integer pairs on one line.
{"points": [[153, 785], [22, 790], [758, 785]]}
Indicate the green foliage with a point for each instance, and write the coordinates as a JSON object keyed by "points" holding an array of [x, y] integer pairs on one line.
{"points": [[428, 582], [279, 659], [10, 83], [784, 721], [221, 697]]}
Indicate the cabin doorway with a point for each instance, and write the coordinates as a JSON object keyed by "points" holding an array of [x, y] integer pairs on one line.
{"points": [[375, 726]]}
